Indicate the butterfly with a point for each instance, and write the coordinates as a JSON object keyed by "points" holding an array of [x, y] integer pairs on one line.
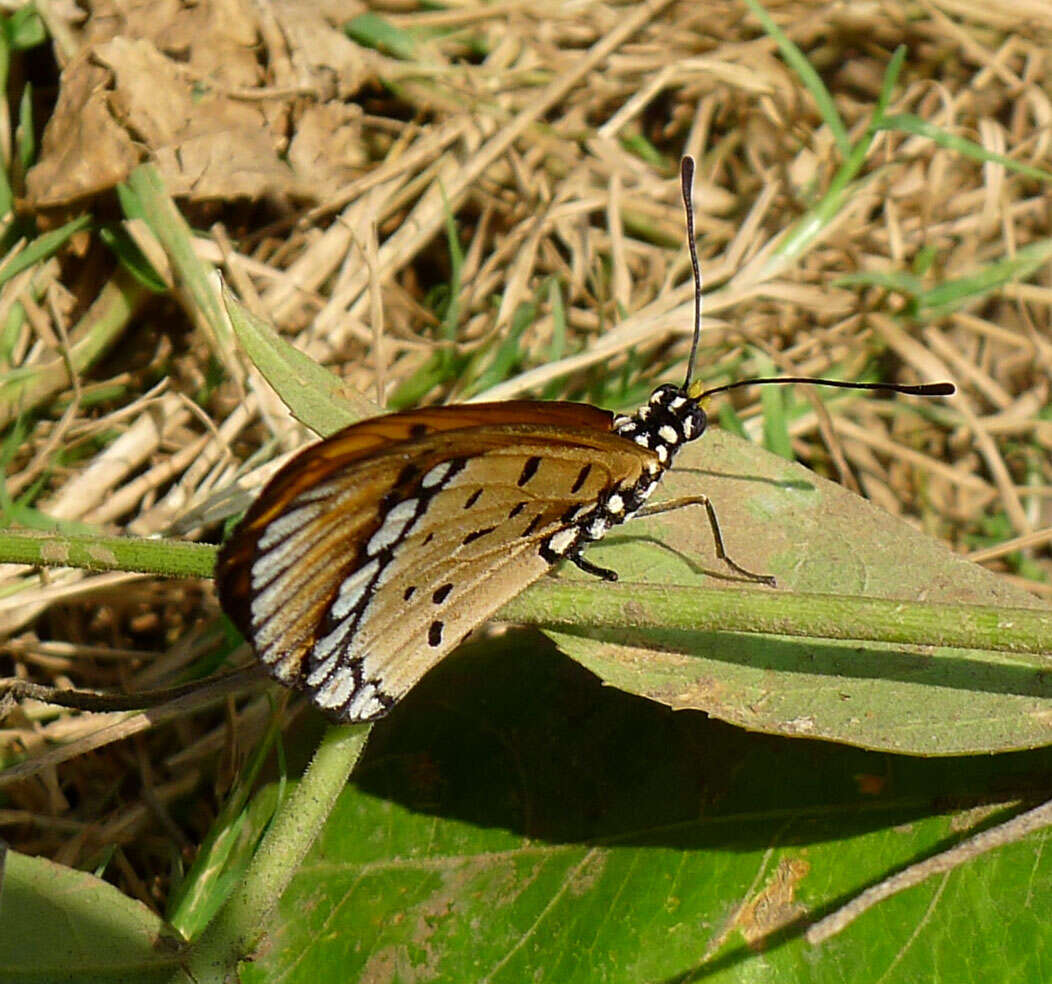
{"points": [[373, 553]]}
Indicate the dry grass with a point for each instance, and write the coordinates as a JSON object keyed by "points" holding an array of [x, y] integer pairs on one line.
{"points": [[547, 136]]}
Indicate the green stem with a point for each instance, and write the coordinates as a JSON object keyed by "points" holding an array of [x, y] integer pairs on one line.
{"points": [[1023, 631], [562, 603], [169, 558], [239, 927], [193, 275]]}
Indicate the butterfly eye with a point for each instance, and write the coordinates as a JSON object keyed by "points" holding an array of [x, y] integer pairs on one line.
{"points": [[665, 394]]}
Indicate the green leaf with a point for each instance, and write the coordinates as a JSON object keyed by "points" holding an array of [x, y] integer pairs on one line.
{"points": [[908, 123], [898, 280], [64, 925], [25, 29], [816, 537], [227, 851], [776, 436], [637, 143], [374, 31], [132, 258], [951, 294], [45, 245], [948, 295], [315, 397], [514, 820]]}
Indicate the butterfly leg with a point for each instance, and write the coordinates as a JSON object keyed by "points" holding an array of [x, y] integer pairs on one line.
{"points": [[721, 551], [589, 568]]}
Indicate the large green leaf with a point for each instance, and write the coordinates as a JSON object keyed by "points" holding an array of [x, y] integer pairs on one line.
{"points": [[58, 924], [514, 820], [814, 536]]}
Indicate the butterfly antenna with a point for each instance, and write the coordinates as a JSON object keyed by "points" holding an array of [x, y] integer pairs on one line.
{"points": [[686, 173], [923, 389], [694, 390]]}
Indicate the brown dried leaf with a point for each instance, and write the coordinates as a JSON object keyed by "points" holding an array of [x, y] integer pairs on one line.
{"points": [[84, 150], [180, 86], [328, 146]]}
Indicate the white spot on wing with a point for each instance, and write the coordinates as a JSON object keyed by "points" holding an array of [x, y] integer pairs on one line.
{"points": [[597, 528], [437, 475], [280, 558], [393, 526], [368, 710], [336, 691], [365, 703], [289, 523], [322, 670], [332, 643], [353, 588], [322, 491]]}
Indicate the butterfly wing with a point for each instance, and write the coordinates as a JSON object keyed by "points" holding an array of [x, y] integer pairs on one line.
{"points": [[373, 553]]}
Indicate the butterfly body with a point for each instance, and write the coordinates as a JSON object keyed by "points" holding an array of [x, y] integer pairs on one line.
{"points": [[374, 552]]}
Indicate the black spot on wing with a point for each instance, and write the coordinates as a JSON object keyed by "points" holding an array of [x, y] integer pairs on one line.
{"points": [[534, 523], [434, 633], [477, 534], [529, 470], [516, 509], [473, 498], [441, 594], [409, 592], [582, 477]]}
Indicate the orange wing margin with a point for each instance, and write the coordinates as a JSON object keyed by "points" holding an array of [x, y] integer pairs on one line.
{"points": [[316, 462]]}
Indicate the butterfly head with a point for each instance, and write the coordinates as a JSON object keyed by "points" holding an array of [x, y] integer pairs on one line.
{"points": [[667, 421]]}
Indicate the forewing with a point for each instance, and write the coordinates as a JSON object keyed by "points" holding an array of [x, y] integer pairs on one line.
{"points": [[352, 582]]}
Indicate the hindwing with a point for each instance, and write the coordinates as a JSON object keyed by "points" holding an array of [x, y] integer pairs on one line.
{"points": [[373, 553]]}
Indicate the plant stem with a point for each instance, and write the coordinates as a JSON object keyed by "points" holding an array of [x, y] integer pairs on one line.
{"points": [[170, 558], [640, 606], [240, 925], [1023, 631]]}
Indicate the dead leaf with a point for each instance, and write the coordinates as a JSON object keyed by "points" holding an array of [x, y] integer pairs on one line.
{"points": [[179, 84], [84, 150]]}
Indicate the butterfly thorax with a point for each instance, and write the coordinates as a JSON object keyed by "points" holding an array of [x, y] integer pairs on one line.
{"points": [[667, 421]]}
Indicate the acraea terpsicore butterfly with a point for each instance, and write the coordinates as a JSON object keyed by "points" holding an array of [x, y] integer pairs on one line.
{"points": [[373, 553]]}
